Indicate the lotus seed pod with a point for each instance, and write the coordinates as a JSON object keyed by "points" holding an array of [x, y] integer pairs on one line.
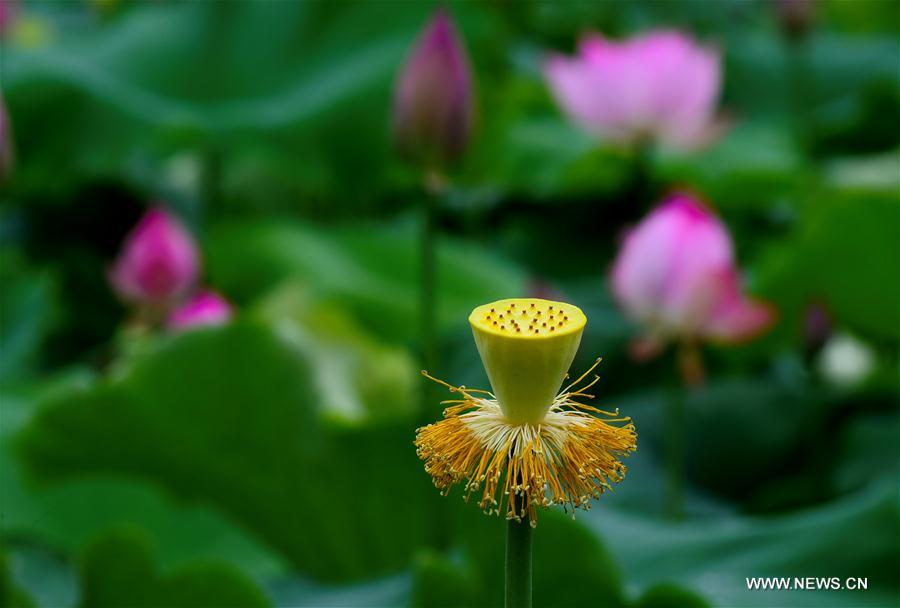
{"points": [[527, 346]]}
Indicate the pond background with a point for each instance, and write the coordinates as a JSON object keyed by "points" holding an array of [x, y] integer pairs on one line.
{"points": [[269, 461]]}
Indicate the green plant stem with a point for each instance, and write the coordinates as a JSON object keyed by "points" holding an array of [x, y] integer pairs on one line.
{"points": [[674, 446], [434, 185], [518, 564], [641, 191], [427, 281], [211, 180], [433, 189], [799, 89]]}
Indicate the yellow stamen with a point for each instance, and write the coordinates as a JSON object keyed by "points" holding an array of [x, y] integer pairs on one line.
{"points": [[568, 458]]}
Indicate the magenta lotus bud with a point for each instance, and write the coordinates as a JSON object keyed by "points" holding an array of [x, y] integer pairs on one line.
{"points": [[203, 309], [659, 86], [675, 274], [433, 100], [158, 263], [8, 13], [6, 142]]}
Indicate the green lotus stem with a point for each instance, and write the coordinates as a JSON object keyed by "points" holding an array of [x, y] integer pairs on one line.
{"points": [[428, 279], [674, 446], [518, 563], [435, 186], [642, 178], [211, 180], [797, 69]]}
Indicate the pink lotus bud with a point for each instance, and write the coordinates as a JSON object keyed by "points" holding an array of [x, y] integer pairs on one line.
{"points": [[6, 142], [203, 309], [659, 86], [8, 12], [158, 263], [433, 101], [675, 274]]}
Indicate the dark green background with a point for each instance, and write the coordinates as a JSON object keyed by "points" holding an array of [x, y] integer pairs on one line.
{"points": [[270, 462]]}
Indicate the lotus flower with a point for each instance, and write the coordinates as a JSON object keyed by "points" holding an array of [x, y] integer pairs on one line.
{"points": [[675, 274], [433, 101], [658, 86], [158, 263], [203, 309]]}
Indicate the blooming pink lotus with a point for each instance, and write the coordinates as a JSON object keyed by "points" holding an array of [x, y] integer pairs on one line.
{"points": [[159, 261], [659, 86], [676, 275], [203, 309], [433, 100]]}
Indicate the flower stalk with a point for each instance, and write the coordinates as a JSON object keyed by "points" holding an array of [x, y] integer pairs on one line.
{"points": [[434, 187], [642, 175], [433, 115], [518, 564], [674, 447]]}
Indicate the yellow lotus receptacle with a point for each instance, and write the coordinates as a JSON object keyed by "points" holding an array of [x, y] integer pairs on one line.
{"points": [[527, 346]]}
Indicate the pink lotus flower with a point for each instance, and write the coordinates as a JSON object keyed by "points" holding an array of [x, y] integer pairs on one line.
{"points": [[158, 263], [433, 101], [203, 309], [660, 86], [676, 275]]}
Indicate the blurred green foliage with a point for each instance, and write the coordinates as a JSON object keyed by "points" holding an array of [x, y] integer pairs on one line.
{"points": [[270, 462], [118, 570]]}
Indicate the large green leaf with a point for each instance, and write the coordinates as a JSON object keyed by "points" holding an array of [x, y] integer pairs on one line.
{"points": [[229, 417], [172, 84], [569, 564], [854, 537], [63, 516], [373, 271], [724, 413], [360, 379], [754, 163], [170, 78], [847, 255], [11, 595], [27, 310], [119, 570], [868, 450], [571, 567], [386, 591]]}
